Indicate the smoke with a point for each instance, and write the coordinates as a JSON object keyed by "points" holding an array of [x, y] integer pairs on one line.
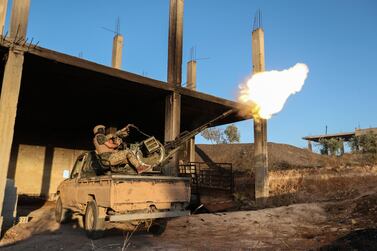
{"points": [[265, 93]]}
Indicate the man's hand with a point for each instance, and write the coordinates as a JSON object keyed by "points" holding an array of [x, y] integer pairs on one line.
{"points": [[124, 131]]}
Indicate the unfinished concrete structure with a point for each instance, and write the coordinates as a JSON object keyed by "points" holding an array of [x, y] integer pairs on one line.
{"points": [[344, 136], [260, 125], [48, 106]]}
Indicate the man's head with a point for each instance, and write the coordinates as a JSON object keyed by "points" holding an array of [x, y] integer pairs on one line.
{"points": [[99, 129]]}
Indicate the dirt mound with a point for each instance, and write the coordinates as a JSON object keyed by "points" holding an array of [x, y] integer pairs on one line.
{"points": [[280, 156]]}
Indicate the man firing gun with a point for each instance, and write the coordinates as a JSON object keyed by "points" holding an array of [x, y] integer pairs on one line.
{"points": [[107, 148]]}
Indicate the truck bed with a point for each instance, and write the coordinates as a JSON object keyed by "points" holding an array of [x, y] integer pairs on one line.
{"points": [[126, 193]]}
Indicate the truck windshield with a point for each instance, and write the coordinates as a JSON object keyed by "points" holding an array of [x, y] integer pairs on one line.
{"points": [[77, 167]]}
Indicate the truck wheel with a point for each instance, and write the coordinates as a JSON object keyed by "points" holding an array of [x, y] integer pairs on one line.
{"points": [[94, 226], [62, 215], [158, 227]]}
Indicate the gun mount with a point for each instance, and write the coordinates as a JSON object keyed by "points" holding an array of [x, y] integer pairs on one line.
{"points": [[152, 152]]}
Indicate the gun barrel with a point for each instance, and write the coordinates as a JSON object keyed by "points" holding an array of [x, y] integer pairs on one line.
{"points": [[179, 141]]}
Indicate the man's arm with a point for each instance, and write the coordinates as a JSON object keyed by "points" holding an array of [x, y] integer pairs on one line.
{"points": [[124, 131]]}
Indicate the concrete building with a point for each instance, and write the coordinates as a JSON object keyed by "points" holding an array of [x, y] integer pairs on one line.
{"points": [[59, 104], [344, 136]]}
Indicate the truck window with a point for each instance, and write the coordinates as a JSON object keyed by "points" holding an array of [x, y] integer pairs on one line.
{"points": [[77, 167], [87, 169]]}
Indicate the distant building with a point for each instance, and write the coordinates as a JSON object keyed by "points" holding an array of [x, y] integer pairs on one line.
{"points": [[345, 136]]}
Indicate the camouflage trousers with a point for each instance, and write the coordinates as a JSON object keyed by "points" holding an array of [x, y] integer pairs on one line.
{"points": [[120, 157]]}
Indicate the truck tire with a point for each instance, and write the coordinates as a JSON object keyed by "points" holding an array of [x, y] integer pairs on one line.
{"points": [[62, 215], [94, 226], [158, 227]]}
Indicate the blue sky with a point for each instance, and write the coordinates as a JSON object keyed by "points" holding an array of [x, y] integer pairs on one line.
{"points": [[336, 39]]}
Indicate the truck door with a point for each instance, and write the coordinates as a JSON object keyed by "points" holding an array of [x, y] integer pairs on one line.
{"points": [[70, 193]]}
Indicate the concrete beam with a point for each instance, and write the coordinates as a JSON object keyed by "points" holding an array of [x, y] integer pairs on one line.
{"points": [[260, 125], [173, 101], [10, 91], [116, 60], [3, 14], [19, 19]]}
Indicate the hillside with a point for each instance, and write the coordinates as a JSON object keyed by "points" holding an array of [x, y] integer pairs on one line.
{"points": [[280, 156]]}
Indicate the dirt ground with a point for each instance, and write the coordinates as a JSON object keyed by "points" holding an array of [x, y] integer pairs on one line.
{"points": [[316, 203], [341, 225]]}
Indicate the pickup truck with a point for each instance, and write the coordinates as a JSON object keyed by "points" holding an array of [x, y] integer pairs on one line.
{"points": [[100, 196]]}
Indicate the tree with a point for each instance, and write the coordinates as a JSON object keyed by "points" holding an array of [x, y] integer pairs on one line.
{"points": [[231, 134], [219, 136], [212, 134], [365, 143], [331, 146]]}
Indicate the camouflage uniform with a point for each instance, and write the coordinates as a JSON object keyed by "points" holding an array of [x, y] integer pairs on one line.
{"points": [[111, 156]]}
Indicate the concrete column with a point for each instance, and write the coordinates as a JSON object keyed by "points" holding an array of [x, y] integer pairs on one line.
{"points": [[310, 148], [172, 127], [10, 92], [19, 19], [116, 61], [191, 75], [173, 100], [8, 109], [342, 148], [175, 42], [3, 13], [260, 125], [191, 84]]}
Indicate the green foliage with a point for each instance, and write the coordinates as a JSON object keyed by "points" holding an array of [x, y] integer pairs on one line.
{"points": [[212, 134], [231, 134], [366, 143], [218, 136], [332, 146]]}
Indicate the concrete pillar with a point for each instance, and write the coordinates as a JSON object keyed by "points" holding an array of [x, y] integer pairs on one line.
{"points": [[260, 125], [173, 100], [175, 42], [3, 13], [191, 84], [19, 19], [10, 92], [342, 148], [172, 128], [191, 75], [8, 109], [116, 60], [310, 148]]}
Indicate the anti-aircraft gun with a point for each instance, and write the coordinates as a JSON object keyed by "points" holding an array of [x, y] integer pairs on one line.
{"points": [[151, 151]]}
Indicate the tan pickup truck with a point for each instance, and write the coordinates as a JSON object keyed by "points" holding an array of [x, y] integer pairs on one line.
{"points": [[146, 200]]}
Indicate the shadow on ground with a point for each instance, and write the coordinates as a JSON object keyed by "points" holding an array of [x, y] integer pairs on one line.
{"points": [[365, 239]]}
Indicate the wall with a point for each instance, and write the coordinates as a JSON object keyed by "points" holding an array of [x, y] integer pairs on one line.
{"points": [[38, 170]]}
